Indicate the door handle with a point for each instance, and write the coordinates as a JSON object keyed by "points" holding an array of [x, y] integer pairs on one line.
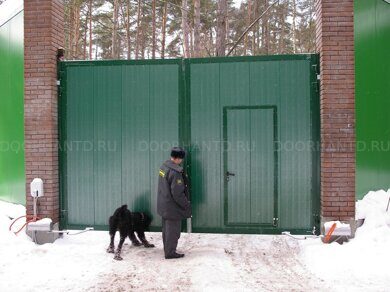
{"points": [[229, 174]]}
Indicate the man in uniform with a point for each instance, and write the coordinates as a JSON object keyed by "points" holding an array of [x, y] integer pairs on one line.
{"points": [[173, 203]]}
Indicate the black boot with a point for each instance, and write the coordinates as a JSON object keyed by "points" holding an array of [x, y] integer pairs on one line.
{"points": [[174, 256]]}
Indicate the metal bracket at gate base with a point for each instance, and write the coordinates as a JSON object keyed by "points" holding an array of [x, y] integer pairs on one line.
{"points": [[275, 221]]}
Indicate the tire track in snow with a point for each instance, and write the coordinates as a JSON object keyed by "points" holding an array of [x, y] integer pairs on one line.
{"points": [[213, 262], [274, 266]]}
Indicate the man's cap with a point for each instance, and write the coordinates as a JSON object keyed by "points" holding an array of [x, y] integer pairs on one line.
{"points": [[178, 152]]}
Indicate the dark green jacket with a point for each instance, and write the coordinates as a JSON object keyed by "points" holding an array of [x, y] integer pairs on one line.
{"points": [[173, 197]]}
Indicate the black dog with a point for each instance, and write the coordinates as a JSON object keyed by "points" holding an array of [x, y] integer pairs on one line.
{"points": [[127, 223]]}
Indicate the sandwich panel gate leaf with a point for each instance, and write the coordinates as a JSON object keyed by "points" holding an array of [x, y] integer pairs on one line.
{"points": [[250, 126]]}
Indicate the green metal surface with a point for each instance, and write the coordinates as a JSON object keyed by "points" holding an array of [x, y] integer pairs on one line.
{"points": [[250, 140], [372, 89], [118, 123], [12, 177], [137, 110], [286, 83]]}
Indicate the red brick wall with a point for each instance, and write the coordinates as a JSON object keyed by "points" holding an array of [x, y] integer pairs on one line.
{"points": [[334, 42], [43, 34]]}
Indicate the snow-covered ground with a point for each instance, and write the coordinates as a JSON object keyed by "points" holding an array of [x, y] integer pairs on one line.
{"points": [[212, 262], [363, 264]]}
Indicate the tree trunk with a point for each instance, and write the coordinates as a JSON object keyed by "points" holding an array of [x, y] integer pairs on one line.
{"points": [[265, 29], [248, 22], [221, 27], [114, 31], [294, 38], [138, 29], [164, 24], [254, 30], [197, 28], [184, 27], [76, 31], [128, 29], [85, 39], [153, 29], [143, 34], [90, 29], [69, 51]]}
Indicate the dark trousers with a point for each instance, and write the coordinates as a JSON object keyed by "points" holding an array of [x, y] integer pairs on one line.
{"points": [[170, 234]]}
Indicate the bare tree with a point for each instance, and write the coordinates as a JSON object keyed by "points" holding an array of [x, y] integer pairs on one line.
{"points": [[248, 22], [197, 28], [114, 53], [209, 27], [184, 27], [294, 17], [137, 41], [153, 29], [85, 38], [265, 30], [90, 29], [163, 30], [221, 27], [128, 29]]}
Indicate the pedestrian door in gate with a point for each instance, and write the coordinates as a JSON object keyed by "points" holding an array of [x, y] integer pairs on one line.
{"points": [[250, 165]]}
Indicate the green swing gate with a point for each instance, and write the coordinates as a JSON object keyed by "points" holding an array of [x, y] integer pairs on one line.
{"points": [[250, 126]]}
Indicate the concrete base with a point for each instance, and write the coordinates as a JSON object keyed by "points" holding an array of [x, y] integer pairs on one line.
{"points": [[351, 222], [42, 237], [336, 238]]}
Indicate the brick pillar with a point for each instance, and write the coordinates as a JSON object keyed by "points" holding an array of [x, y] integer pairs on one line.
{"points": [[43, 35], [334, 42]]}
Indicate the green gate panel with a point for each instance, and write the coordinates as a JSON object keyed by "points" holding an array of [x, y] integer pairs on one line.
{"points": [[135, 142], [256, 117], [12, 176], [79, 173], [263, 165], [164, 122], [119, 121], [107, 159], [289, 178], [372, 95], [206, 159], [296, 151]]}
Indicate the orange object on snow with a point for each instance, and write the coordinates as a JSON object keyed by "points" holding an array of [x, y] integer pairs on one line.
{"points": [[330, 232]]}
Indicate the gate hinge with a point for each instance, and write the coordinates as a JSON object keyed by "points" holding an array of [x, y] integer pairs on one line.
{"points": [[318, 76], [275, 221], [58, 82]]}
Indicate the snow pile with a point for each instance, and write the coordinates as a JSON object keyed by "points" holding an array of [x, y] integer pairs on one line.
{"points": [[363, 263], [8, 212], [72, 263], [44, 221], [372, 208], [339, 224]]}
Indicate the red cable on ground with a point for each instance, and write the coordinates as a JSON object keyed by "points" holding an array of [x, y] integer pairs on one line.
{"points": [[33, 219]]}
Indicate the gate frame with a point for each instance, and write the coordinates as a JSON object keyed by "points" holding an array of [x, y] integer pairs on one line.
{"points": [[185, 130], [274, 109]]}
